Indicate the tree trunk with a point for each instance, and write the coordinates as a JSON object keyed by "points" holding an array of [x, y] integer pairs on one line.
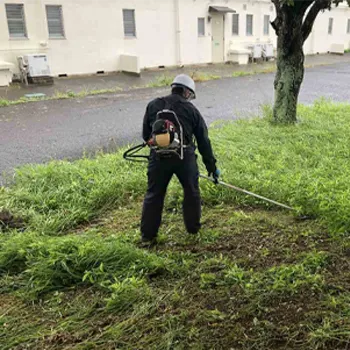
{"points": [[290, 68]]}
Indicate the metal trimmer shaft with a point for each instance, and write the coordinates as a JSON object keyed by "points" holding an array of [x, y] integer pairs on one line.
{"points": [[247, 192]]}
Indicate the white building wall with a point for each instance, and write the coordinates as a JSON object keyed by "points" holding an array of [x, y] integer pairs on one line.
{"points": [[166, 32], [320, 41], [258, 10], [194, 49], [94, 34], [199, 49]]}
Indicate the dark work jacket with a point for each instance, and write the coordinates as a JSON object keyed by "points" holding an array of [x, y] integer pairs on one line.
{"points": [[192, 123]]}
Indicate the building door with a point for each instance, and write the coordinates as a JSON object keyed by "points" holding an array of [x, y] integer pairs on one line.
{"points": [[218, 23]]}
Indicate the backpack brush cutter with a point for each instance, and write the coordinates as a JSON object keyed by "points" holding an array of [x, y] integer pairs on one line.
{"points": [[131, 155]]}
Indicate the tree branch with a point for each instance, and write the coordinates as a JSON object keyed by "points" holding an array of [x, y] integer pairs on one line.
{"points": [[276, 23], [302, 6], [309, 21]]}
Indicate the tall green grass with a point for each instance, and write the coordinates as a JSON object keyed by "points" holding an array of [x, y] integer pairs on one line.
{"points": [[305, 166], [52, 263], [59, 195]]}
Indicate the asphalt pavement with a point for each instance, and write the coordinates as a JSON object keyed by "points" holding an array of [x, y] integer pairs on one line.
{"points": [[66, 129]]}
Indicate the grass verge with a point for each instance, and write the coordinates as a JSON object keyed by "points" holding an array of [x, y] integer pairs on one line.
{"points": [[72, 273], [252, 279], [304, 166], [59, 96]]}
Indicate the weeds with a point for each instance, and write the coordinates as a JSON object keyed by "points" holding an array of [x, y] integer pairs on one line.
{"points": [[161, 81], [252, 279], [187, 292], [303, 166], [4, 103], [53, 263], [166, 80], [61, 195], [59, 95], [241, 74], [254, 72], [202, 77], [126, 294]]}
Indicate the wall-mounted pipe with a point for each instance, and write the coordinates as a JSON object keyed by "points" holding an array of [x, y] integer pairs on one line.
{"points": [[178, 32]]}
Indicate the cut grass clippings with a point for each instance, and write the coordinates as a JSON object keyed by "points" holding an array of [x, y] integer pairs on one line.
{"points": [[264, 281], [74, 276]]}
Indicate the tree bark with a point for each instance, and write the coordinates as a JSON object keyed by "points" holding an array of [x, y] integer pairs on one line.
{"points": [[290, 66]]}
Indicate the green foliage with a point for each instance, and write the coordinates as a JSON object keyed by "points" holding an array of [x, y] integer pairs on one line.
{"points": [[161, 81], [60, 195], [304, 166], [13, 252], [166, 80], [241, 74], [253, 279], [59, 95], [96, 291], [276, 282], [127, 293], [4, 103], [202, 77], [53, 263], [254, 72]]}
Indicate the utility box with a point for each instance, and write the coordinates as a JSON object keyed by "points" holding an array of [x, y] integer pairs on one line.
{"points": [[268, 51], [38, 69], [337, 49], [38, 65], [6, 69], [257, 51], [130, 64]]}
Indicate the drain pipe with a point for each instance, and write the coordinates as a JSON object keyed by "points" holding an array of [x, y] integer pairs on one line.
{"points": [[178, 32]]}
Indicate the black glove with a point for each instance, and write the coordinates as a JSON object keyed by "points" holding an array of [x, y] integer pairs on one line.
{"points": [[215, 174]]}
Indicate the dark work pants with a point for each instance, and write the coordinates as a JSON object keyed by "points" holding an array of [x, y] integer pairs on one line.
{"points": [[160, 172]]}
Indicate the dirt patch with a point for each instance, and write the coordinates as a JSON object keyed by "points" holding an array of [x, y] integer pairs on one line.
{"points": [[9, 221]]}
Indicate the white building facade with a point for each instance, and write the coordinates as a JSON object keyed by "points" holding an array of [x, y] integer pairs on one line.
{"points": [[90, 36]]}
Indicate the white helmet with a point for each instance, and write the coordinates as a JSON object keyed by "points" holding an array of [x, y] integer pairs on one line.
{"points": [[185, 81]]}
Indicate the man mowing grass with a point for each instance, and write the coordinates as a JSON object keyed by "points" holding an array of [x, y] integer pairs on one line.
{"points": [[169, 127]]}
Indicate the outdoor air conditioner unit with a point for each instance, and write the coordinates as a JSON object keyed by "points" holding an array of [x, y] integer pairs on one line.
{"points": [[37, 65], [268, 51], [256, 52]]}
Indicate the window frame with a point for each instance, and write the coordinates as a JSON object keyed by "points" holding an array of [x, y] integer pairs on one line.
{"points": [[23, 20], [252, 25], [133, 35], [330, 25], [235, 15], [199, 21], [63, 36], [266, 29]]}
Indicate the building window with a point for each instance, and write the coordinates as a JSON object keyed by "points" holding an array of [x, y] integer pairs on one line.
{"points": [[249, 28], [348, 31], [129, 23], [266, 25], [201, 26], [235, 24], [330, 26], [55, 21], [16, 21]]}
